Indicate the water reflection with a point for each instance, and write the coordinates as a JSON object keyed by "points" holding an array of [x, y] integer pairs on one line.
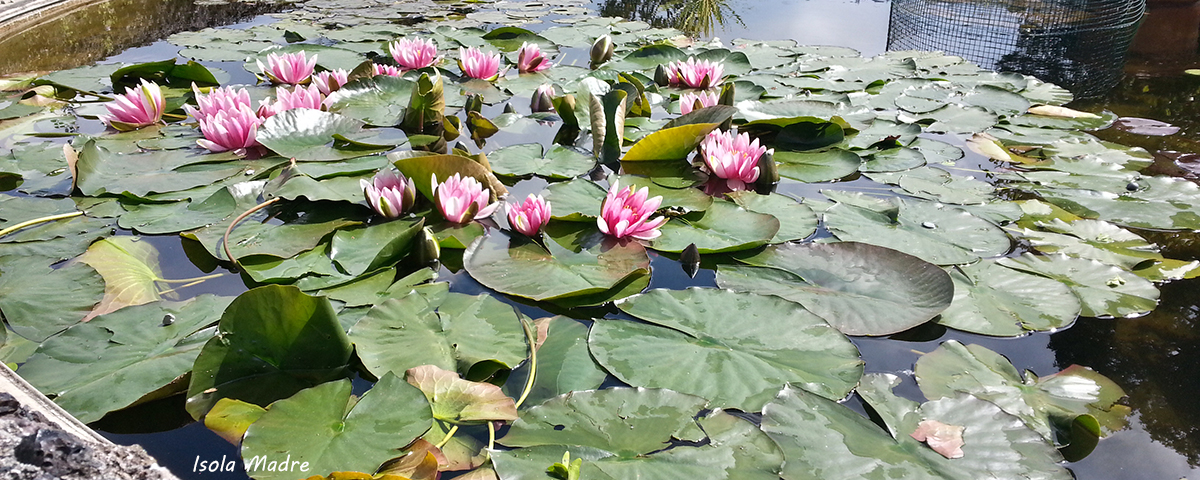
{"points": [[94, 32], [697, 18]]}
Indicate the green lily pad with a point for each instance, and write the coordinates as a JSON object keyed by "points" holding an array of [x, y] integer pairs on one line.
{"points": [[133, 349], [521, 267], [818, 166], [360, 250], [722, 227], [564, 363], [1104, 290], [28, 282], [339, 435], [130, 270], [253, 238], [158, 218], [271, 342], [422, 169], [772, 341], [461, 401], [378, 100], [578, 200], [669, 144], [307, 134], [839, 282], [891, 160], [992, 300], [823, 439], [453, 333], [231, 418], [1039, 402], [530, 159], [687, 199], [934, 232], [100, 171], [1092, 239], [796, 220]]}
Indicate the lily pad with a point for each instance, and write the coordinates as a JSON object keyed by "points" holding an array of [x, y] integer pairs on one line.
{"points": [[271, 342], [461, 401], [26, 282], [378, 100], [817, 167], [1039, 402], [722, 227], [1104, 290], [796, 220], [308, 134], [564, 363], [530, 159], [992, 300], [339, 435], [521, 267], [365, 249], [840, 282], [743, 358], [578, 200], [130, 270], [112, 361], [1092, 239]]}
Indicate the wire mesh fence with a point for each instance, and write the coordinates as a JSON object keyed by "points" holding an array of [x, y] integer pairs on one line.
{"points": [[1077, 44]]}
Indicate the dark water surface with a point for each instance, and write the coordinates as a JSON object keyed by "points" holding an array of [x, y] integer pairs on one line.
{"points": [[1156, 358]]}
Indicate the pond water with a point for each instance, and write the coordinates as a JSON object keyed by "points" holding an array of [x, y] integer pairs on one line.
{"points": [[1155, 358]]}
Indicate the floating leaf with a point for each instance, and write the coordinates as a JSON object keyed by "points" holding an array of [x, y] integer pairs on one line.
{"points": [[422, 168], [456, 400], [132, 348], [722, 227], [272, 341], [340, 436], [817, 167], [742, 358], [376, 100], [578, 200], [230, 418], [993, 300], [796, 220], [26, 282], [1039, 402], [1102, 289], [564, 363], [529, 159], [669, 144], [366, 249], [839, 282], [130, 270], [308, 134]]}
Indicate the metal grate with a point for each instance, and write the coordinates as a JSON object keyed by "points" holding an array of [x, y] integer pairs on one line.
{"points": [[1077, 44]]}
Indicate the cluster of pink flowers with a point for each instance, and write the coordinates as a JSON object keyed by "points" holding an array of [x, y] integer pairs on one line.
{"points": [[530, 216], [330, 81], [136, 108], [530, 59], [389, 193], [688, 101], [414, 53], [289, 68], [693, 74], [462, 199], [626, 213], [734, 159], [476, 63], [297, 97], [227, 120], [380, 69]]}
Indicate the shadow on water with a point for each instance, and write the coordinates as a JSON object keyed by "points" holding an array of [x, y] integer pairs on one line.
{"points": [[98, 30]]}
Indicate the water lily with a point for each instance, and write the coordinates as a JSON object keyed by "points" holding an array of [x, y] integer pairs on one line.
{"points": [[218, 99], [530, 59], [543, 99], [734, 159], [626, 213], [389, 193], [231, 129], [330, 81], [530, 216], [297, 97], [290, 68], [476, 63], [693, 74], [462, 199], [386, 70], [413, 53], [136, 108], [695, 101]]}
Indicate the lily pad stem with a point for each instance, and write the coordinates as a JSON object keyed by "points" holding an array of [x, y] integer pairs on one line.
{"points": [[190, 282], [36, 221], [491, 436], [532, 363], [247, 213], [449, 435]]}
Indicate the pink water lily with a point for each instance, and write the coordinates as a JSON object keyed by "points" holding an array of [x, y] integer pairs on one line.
{"points": [[693, 74], [734, 159], [462, 199], [413, 53], [330, 81], [529, 217], [626, 213], [476, 63], [218, 99], [231, 129], [387, 70], [688, 101], [290, 68], [290, 99], [136, 108], [389, 193], [530, 59]]}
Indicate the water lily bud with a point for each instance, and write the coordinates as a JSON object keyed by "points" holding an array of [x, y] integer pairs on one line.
{"points": [[474, 103], [689, 259], [602, 50], [508, 108], [662, 76], [428, 251], [543, 99], [727, 93], [768, 174]]}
